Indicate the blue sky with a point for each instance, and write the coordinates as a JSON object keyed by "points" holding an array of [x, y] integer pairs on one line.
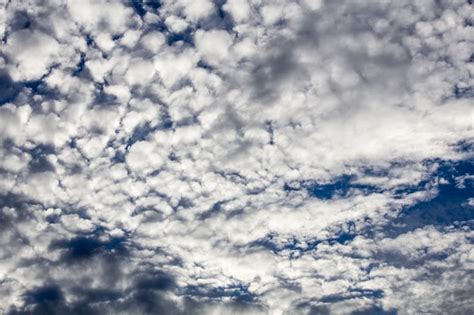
{"points": [[236, 157]]}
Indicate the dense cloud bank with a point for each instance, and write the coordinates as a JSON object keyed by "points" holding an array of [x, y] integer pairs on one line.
{"points": [[236, 157]]}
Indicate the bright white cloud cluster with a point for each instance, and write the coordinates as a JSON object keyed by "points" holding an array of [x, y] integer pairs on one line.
{"points": [[227, 157]]}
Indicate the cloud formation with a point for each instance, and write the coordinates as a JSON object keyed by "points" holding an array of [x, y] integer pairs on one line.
{"points": [[236, 157]]}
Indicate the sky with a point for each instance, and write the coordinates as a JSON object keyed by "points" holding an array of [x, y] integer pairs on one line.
{"points": [[217, 157]]}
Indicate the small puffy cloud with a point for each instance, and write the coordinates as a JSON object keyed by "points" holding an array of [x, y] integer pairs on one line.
{"points": [[104, 41], [74, 223], [240, 10], [139, 72], [213, 45], [94, 147], [153, 41], [176, 24], [271, 13], [32, 54], [99, 68], [13, 120], [144, 157], [174, 67], [195, 10], [94, 15]]}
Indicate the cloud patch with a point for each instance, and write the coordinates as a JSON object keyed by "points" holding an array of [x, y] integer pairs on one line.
{"points": [[236, 157]]}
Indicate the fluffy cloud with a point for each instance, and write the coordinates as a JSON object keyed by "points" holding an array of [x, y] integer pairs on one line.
{"points": [[211, 157], [32, 53], [213, 45]]}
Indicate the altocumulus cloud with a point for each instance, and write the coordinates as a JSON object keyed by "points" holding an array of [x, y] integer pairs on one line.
{"points": [[236, 157]]}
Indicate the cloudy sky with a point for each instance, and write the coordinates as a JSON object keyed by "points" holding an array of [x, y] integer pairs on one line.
{"points": [[236, 157]]}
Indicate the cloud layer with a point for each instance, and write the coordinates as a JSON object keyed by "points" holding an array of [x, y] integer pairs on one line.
{"points": [[236, 157]]}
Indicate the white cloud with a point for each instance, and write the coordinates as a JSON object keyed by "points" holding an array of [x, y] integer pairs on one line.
{"points": [[176, 24], [194, 10], [174, 67], [93, 15], [213, 45], [271, 13], [139, 72], [104, 41], [153, 41], [272, 161], [144, 157], [32, 53], [240, 10]]}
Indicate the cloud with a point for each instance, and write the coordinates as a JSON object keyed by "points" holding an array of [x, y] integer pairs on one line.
{"points": [[236, 157], [213, 45], [31, 52]]}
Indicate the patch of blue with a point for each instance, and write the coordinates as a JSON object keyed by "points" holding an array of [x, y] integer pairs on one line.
{"points": [[288, 187], [39, 164], [339, 187], [41, 149], [342, 238], [296, 246], [166, 120], [204, 65], [140, 133], [352, 294], [269, 129], [102, 98], [119, 157], [468, 22], [373, 294], [141, 7], [154, 280], [216, 207], [449, 207], [82, 247], [237, 292], [138, 7], [342, 186], [225, 21], [87, 246], [173, 157], [35, 85], [10, 89], [404, 190], [465, 146], [20, 20], [220, 11], [325, 191], [53, 218], [463, 92], [48, 294], [155, 5], [79, 66], [90, 41], [375, 310], [184, 37]]}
